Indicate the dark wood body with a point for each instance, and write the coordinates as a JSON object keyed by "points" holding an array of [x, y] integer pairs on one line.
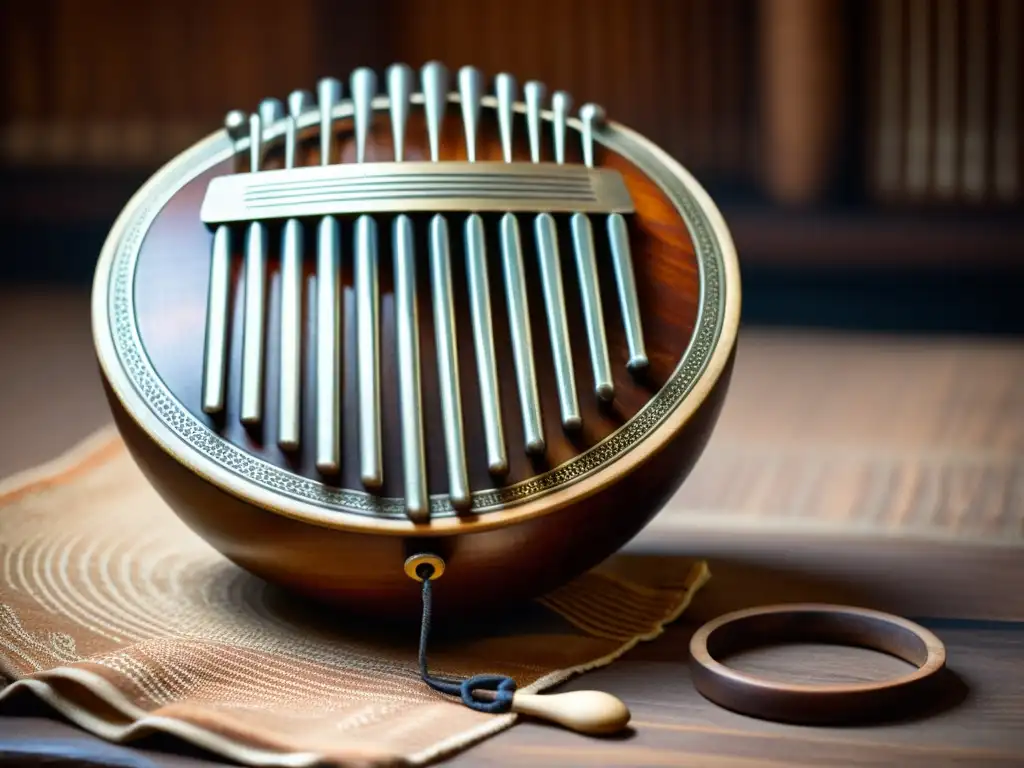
{"points": [[485, 568], [363, 572]]}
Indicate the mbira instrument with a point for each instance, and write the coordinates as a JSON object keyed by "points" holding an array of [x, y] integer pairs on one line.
{"points": [[418, 321]]}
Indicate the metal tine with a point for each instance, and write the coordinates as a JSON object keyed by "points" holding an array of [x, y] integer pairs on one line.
{"points": [[254, 329], [417, 500], [400, 79], [434, 84], [435, 97], [515, 286], [505, 93], [289, 395], [363, 83], [328, 291], [592, 115], [271, 110], [470, 93], [546, 234], [586, 265], [215, 357]]}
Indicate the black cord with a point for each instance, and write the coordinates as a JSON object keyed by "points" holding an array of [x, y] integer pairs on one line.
{"points": [[504, 687]]}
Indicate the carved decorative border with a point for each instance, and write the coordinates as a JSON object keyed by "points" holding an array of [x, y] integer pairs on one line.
{"points": [[197, 435]]}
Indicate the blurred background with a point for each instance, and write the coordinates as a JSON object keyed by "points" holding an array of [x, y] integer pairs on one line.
{"points": [[866, 153]]}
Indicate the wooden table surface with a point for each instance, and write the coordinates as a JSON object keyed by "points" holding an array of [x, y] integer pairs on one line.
{"points": [[884, 472]]}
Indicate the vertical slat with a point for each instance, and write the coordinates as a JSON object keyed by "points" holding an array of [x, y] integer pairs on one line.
{"points": [[483, 342], [217, 311], [976, 98], [593, 313], [622, 260], [328, 346], [947, 97], [586, 266], [1008, 121], [417, 501], [447, 363], [290, 336], [371, 460], [254, 312], [522, 341], [328, 290], [515, 286], [546, 238], [558, 325], [919, 90], [890, 77], [215, 366], [290, 380]]}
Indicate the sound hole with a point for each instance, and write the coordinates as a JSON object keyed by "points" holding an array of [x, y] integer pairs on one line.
{"points": [[172, 280]]}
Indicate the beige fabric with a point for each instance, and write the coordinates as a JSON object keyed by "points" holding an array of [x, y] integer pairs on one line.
{"points": [[113, 612]]}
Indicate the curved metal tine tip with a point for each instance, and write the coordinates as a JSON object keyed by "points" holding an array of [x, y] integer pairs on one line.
{"points": [[561, 103], [299, 102], [470, 93], [271, 110], [534, 92], [505, 91], [591, 115], [434, 82], [363, 87], [400, 80], [328, 93]]}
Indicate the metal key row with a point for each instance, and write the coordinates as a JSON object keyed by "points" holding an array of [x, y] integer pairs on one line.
{"points": [[434, 86]]}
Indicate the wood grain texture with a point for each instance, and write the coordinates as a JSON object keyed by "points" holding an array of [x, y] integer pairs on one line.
{"points": [[884, 434]]}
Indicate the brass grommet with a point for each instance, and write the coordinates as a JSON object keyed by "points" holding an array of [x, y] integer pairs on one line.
{"points": [[413, 564]]}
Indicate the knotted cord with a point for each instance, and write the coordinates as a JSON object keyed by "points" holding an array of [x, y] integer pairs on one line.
{"points": [[503, 687]]}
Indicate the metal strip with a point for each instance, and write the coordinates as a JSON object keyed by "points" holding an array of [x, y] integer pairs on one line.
{"points": [[368, 352], [483, 341], [417, 500], [630, 304], [328, 346], [558, 325], [415, 186], [291, 336], [215, 360], [447, 363], [292, 247], [522, 340], [254, 319], [593, 313]]}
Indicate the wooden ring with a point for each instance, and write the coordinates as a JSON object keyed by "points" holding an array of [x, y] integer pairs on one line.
{"points": [[821, 623]]}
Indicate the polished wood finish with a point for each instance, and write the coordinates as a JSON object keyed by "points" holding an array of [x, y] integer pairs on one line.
{"points": [[485, 568], [715, 643], [484, 571], [888, 539]]}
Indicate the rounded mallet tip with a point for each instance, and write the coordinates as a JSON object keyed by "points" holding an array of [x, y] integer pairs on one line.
{"points": [[605, 391]]}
